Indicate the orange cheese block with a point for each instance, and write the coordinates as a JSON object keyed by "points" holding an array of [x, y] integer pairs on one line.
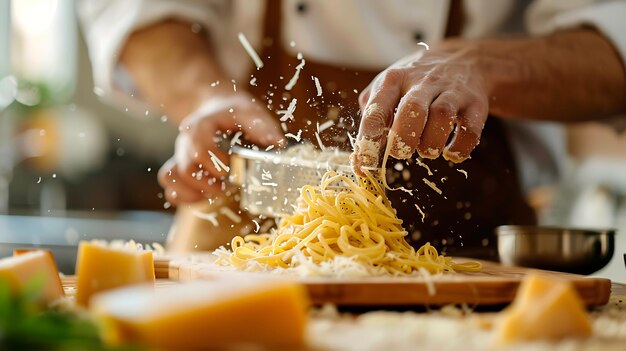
{"points": [[544, 308], [205, 315], [22, 269], [100, 267], [17, 252]]}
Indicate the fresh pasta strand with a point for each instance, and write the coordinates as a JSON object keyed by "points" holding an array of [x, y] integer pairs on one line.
{"points": [[354, 221]]}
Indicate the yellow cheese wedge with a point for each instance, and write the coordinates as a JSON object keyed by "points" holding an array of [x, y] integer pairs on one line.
{"points": [[100, 267], [205, 315], [544, 308], [20, 270]]}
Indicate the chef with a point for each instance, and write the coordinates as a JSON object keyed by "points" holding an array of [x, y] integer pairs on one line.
{"points": [[446, 87]]}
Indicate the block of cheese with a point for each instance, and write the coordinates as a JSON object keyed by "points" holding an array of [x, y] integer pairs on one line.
{"points": [[205, 314], [17, 252], [545, 308], [21, 269], [101, 267]]}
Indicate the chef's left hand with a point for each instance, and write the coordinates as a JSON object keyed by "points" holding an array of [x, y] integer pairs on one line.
{"points": [[422, 101]]}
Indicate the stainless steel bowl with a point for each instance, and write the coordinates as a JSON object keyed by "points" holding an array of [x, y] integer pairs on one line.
{"points": [[579, 251]]}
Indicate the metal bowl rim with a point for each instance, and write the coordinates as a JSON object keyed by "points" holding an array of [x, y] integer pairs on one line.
{"points": [[551, 230]]}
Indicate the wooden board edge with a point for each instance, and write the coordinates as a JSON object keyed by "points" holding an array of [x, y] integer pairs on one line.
{"points": [[596, 292], [593, 291]]}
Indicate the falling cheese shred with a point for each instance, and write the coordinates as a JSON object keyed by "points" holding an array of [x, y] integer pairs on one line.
{"points": [[322, 127], [236, 139], [423, 165], [258, 226], [250, 50], [288, 113], [296, 75], [432, 185], [318, 86], [297, 137], [319, 141], [219, 165], [462, 171], [381, 174], [421, 212]]}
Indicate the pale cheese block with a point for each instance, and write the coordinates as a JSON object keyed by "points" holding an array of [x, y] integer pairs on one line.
{"points": [[206, 314], [545, 308], [100, 268], [20, 270]]}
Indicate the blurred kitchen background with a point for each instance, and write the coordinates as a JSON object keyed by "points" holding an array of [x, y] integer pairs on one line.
{"points": [[76, 162], [77, 165]]}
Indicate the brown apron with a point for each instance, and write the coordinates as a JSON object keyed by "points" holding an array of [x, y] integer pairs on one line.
{"points": [[461, 220]]}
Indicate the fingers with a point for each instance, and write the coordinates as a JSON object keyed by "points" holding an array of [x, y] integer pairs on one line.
{"points": [[191, 167], [376, 119], [439, 125], [194, 160], [176, 191], [257, 125], [364, 97], [434, 91], [410, 120], [469, 126], [424, 122]]}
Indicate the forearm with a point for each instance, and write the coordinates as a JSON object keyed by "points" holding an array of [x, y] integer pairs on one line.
{"points": [[573, 75], [173, 67]]}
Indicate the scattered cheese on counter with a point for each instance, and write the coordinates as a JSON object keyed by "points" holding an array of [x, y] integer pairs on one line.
{"points": [[101, 267], [207, 314], [22, 269], [544, 308]]}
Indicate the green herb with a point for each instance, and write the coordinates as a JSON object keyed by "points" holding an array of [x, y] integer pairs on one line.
{"points": [[25, 325]]}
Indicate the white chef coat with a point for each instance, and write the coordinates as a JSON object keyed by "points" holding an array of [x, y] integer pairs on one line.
{"points": [[369, 34]]}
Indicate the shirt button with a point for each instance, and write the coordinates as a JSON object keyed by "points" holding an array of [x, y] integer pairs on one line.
{"points": [[302, 7]]}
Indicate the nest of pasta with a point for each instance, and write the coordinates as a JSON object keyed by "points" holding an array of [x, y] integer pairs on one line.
{"points": [[350, 226]]}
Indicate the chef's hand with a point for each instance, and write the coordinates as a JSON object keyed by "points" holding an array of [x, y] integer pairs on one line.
{"points": [[421, 102], [193, 173]]}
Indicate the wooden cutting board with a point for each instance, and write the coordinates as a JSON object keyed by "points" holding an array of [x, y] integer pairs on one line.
{"points": [[495, 285]]}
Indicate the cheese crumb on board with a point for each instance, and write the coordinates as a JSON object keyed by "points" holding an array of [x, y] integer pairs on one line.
{"points": [[19, 270], [544, 309], [101, 267], [205, 315]]}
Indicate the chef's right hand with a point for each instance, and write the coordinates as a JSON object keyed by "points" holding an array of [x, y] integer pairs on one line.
{"points": [[192, 173]]}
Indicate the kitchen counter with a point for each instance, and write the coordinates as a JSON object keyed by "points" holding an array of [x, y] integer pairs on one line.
{"points": [[62, 234], [448, 328]]}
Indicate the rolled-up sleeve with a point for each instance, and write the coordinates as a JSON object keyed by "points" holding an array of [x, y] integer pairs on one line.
{"points": [[608, 17], [107, 24]]}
